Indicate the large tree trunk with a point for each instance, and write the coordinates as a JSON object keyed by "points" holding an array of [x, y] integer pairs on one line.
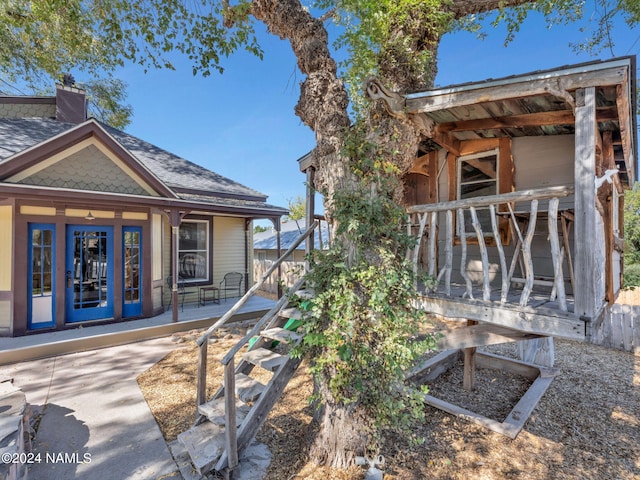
{"points": [[323, 106]]}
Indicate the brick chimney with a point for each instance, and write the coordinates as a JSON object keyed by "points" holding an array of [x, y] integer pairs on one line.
{"points": [[71, 104]]}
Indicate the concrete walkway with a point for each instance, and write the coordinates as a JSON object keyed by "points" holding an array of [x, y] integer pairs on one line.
{"points": [[95, 423]]}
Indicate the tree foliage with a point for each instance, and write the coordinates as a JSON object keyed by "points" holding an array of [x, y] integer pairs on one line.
{"points": [[297, 208]]}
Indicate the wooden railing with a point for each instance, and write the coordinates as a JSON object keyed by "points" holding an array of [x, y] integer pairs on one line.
{"points": [[425, 218], [228, 360]]}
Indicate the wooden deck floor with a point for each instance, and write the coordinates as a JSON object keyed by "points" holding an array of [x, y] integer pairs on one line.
{"points": [[540, 316]]}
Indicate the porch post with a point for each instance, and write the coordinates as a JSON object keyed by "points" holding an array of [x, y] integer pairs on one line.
{"points": [[310, 211], [277, 224], [247, 238], [586, 294], [175, 219]]}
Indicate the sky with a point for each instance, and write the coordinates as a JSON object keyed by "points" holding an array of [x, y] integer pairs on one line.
{"points": [[242, 124]]}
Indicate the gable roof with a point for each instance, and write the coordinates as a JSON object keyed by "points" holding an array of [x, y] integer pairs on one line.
{"points": [[26, 141]]}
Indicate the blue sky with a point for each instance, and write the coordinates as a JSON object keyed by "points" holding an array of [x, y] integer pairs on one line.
{"points": [[241, 124]]}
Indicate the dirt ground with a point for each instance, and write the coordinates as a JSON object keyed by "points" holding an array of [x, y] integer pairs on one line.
{"points": [[586, 426]]}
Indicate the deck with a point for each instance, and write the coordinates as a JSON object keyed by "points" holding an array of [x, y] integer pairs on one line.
{"points": [[90, 336], [540, 316]]}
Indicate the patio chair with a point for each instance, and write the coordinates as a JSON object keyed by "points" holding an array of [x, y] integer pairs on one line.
{"points": [[181, 290], [232, 282]]}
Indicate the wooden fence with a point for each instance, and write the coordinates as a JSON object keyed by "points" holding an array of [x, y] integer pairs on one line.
{"points": [[291, 272], [618, 328]]}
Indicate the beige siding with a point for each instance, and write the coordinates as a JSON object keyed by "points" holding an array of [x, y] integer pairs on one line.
{"points": [[228, 247], [156, 247], [6, 246], [33, 210], [5, 315]]}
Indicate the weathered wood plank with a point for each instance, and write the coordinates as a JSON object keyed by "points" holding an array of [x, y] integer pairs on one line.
{"points": [[523, 409], [435, 366], [433, 234], [230, 431], [540, 321], [585, 212], [517, 367], [480, 335], [493, 425], [511, 197]]}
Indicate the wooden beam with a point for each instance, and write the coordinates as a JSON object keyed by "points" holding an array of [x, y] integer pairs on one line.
{"points": [[539, 320], [522, 87], [626, 126], [435, 366], [585, 204], [480, 335], [469, 369], [557, 117]]}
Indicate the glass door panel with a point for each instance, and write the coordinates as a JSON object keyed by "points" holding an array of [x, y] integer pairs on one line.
{"points": [[132, 271], [41, 308]]}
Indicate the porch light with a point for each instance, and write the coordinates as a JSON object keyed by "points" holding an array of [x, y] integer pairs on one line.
{"points": [[89, 216]]}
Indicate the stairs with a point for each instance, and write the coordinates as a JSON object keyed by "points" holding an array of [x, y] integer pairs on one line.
{"points": [[208, 442]]}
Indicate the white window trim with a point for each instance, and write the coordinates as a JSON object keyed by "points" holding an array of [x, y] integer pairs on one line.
{"points": [[463, 158], [206, 250]]}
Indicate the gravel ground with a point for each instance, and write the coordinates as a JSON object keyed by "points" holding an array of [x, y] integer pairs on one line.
{"points": [[586, 426]]}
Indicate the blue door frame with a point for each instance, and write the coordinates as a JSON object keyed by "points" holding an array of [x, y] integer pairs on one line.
{"points": [[41, 278], [89, 273], [131, 271]]}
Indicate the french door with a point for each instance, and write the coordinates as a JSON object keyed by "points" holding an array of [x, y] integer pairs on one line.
{"points": [[89, 273]]}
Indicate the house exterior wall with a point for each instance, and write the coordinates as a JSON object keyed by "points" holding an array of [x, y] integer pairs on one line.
{"points": [[228, 247]]}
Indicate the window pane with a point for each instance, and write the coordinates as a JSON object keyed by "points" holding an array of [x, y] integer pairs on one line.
{"points": [[477, 189], [478, 169], [193, 256]]}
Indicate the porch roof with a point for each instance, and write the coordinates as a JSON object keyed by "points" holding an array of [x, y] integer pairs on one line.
{"points": [[532, 104]]}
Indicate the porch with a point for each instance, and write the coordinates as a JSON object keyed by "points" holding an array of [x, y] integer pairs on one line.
{"points": [[502, 259], [88, 336]]}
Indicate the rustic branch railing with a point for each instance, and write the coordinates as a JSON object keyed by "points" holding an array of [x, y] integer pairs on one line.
{"points": [[425, 218], [228, 360]]}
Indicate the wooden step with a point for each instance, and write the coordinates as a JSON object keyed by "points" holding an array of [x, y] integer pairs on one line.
{"points": [[292, 313], [264, 358], [205, 444], [281, 335], [214, 411], [247, 388], [480, 335], [305, 293]]}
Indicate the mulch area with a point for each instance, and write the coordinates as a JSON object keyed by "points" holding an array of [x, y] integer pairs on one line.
{"points": [[586, 426]]}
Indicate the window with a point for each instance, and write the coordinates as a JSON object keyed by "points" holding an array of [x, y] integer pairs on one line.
{"points": [[478, 177], [193, 250]]}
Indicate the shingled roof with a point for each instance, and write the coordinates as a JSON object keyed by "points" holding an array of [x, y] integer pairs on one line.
{"points": [[188, 180]]}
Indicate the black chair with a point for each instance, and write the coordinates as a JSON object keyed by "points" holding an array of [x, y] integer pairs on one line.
{"points": [[232, 282], [181, 290]]}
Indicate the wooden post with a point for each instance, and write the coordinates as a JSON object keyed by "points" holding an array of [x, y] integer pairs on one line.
{"points": [[433, 233], [504, 291], [585, 293], [486, 285], [230, 431], [310, 214], [469, 374], [463, 255], [201, 392], [175, 221]]}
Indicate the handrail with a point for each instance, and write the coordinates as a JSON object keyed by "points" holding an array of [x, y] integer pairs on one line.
{"points": [[511, 197], [256, 328], [205, 336], [428, 218]]}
